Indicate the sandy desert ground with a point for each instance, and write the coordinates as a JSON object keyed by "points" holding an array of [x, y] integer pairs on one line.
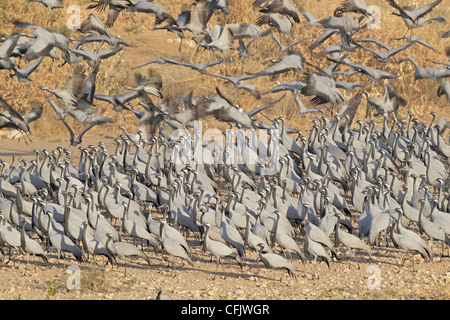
{"points": [[388, 276]]}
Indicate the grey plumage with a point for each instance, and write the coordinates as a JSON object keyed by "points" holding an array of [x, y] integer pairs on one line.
{"points": [[18, 122], [50, 4], [44, 43], [93, 57], [349, 240], [388, 104], [92, 245], [415, 39], [251, 239], [431, 229], [284, 48], [411, 13], [114, 8], [285, 241], [175, 235], [239, 83], [294, 61], [316, 234], [137, 229], [444, 89], [93, 25], [313, 248], [283, 7], [355, 6], [155, 8], [384, 56], [8, 234], [323, 89], [124, 249], [218, 249], [409, 241], [372, 74], [200, 67], [162, 295], [427, 72], [312, 21], [74, 141], [72, 89], [60, 241], [174, 248], [283, 23], [23, 74], [274, 261]]}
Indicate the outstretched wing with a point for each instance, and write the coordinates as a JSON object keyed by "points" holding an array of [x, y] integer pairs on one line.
{"points": [[160, 60], [60, 114], [72, 136], [35, 113], [13, 113], [74, 84], [93, 124], [396, 6], [225, 98], [259, 109], [88, 91], [350, 109]]}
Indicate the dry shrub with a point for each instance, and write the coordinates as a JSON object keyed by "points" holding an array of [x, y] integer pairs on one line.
{"points": [[93, 279], [117, 72]]}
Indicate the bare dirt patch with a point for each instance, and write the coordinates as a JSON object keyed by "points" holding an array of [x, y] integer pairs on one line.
{"points": [[355, 278], [386, 277]]}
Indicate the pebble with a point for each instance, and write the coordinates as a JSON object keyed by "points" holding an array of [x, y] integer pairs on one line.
{"points": [[397, 282], [196, 295], [308, 276], [239, 292]]}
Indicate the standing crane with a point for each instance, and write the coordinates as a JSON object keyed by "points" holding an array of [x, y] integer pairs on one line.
{"points": [[274, 261], [218, 249], [124, 249], [30, 246]]}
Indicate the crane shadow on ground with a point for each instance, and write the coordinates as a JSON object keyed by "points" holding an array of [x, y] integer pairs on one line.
{"points": [[20, 260]]}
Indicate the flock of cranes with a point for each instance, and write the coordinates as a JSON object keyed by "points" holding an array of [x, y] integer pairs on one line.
{"points": [[341, 186]]}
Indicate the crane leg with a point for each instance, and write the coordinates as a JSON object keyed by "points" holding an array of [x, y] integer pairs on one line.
{"points": [[51, 20], [386, 239], [35, 266], [168, 265], [255, 264], [403, 261], [173, 267], [9, 256], [281, 278], [26, 266], [348, 258], [64, 260], [316, 272], [217, 267], [407, 29]]}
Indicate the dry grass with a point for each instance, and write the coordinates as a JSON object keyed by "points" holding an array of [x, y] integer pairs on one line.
{"points": [[117, 72]]}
